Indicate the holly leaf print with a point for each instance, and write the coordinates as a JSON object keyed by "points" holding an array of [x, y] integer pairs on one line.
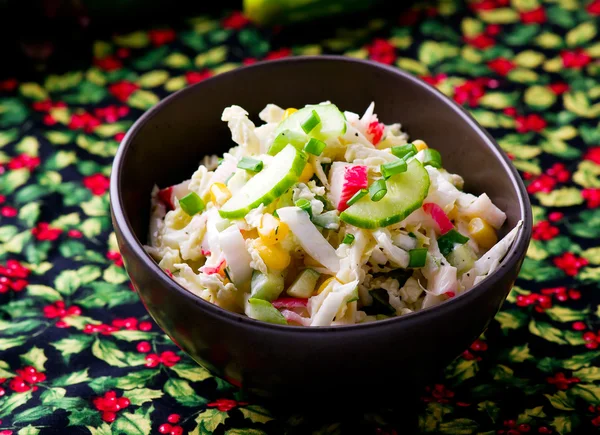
{"points": [[183, 393], [256, 414], [208, 421], [137, 423]]}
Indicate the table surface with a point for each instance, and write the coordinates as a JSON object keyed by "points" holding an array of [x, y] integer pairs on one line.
{"points": [[75, 340]]}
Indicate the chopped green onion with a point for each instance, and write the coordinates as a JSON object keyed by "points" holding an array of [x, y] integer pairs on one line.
{"points": [[409, 155], [311, 122], [432, 158], [358, 195], [315, 146], [413, 235], [403, 151], [348, 239], [275, 214], [250, 164], [304, 204], [447, 241], [393, 168], [191, 204], [227, 273], [381, 302], [418, 257], [378, 190]]}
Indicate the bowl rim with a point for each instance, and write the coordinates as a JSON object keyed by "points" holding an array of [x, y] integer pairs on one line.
{"points": [[511, 259]]}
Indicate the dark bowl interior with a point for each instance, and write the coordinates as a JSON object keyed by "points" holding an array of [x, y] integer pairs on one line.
{"points": [[165, 147]]}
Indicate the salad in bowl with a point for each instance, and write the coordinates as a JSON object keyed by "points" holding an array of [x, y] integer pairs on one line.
{"points": [[320, 217]]}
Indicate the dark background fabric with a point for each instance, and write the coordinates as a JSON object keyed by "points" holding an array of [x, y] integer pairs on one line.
{"points": [[74, 338]]}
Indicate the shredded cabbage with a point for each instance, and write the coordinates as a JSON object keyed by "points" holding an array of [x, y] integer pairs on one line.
{"points": [[215, 258]]}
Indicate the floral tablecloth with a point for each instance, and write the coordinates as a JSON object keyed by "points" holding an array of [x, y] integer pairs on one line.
{"points": [[78, 352]]}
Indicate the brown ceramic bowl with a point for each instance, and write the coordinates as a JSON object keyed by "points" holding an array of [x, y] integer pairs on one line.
{"points": [[166, 145]]}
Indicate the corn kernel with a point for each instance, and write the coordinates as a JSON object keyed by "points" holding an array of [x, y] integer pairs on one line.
{"points": [[453, 213], [324, 285], [272, 230], [483, 233], [307, 173], [420, 145], [289, 111], [311, 262], [219, 193], [274, 256], [249, 234]]}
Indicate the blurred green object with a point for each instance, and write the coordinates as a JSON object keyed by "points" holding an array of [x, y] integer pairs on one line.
{"points": [[292, 11]]}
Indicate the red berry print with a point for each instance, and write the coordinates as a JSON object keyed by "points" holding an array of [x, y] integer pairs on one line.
{"points": [[570, 263], [75, 234], [382, 51], [575, 59], [543, 230], [593, 154], [123, 89], [593, 8], [58, 310], [43, 231], [115, 257], [174, 418], [108, 63], [143, 347], [24, 161], [535, 16], [111, 113], [591, 196], [555, 216], [533, 122], [168, 358], [13, 277], [98, 184], [279, 54], [8, 85], [436, 79], [197, 76], [477, 347], [83, 121], [225, 405], [145, 326], [561, 381], [481, 41], [559, 88], [26, 379], [8, 211], [236, 21], [109, 405], [161, 36], [501, 66]]}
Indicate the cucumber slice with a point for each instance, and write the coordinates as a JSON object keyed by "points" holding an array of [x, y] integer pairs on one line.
{"points": [[267, 287], [287, 137], [333, 122], [267, 185], [405, 194], [304, 285], [463, 258], [264, 311]]}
